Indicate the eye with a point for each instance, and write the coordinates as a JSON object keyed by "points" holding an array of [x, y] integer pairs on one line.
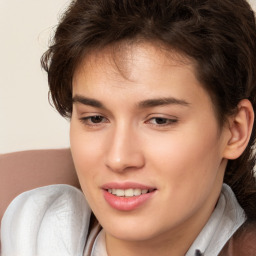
{"points": [[162, 121], [94, 120]]}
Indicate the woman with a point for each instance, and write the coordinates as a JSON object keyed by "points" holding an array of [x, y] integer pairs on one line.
{"points": [[161, 98]]}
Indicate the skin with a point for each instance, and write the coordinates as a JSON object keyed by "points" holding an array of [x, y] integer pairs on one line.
{"points": [[177, 148]]}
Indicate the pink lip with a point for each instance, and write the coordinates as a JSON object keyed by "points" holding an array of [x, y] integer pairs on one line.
{"points": [[127, 203]]}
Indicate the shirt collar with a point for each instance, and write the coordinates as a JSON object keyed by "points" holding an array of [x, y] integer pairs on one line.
{"points": [[226, 218]]}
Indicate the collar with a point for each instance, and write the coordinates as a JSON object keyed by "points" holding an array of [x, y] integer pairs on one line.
{"points": [[227, 217]]}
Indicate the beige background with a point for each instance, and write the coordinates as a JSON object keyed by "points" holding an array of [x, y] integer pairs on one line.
{"points": [[26, 119]]}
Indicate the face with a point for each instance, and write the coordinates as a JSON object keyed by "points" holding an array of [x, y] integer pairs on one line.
{"points": [[146, 143]]}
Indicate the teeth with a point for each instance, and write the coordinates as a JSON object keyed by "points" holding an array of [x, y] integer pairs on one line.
{"points": [[144, 191], [137, 192], [120, 192], [128, 192]]}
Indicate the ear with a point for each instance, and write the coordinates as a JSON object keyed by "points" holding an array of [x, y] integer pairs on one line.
{"points": [[240, 128]]}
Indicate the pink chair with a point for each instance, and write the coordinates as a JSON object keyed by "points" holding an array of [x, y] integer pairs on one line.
{"points": [[25, 170]]}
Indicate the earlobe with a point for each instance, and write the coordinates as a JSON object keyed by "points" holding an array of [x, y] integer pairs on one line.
{"points": [[240, 127]]}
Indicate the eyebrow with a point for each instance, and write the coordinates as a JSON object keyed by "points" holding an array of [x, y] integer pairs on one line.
{"points": [[143, 104], [162, 102], [87, 101]]}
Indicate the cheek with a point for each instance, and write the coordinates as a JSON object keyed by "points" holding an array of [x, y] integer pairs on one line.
{"points": [[84, 158], [186, 156], [85, 146], [85, 152]]}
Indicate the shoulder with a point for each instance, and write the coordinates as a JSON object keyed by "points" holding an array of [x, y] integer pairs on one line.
{"points": [[51, 220]]}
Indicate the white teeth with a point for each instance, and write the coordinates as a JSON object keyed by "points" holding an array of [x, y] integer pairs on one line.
{"points": [[128, 192], [120, 192], [144, 191], [137, 192]]}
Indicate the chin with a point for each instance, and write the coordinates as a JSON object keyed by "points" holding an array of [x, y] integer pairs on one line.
{"points": [[132, 230], [131, 235]]}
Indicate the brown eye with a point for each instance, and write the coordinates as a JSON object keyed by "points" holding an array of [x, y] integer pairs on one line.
{"points": [[96, 119], [161, 121]]}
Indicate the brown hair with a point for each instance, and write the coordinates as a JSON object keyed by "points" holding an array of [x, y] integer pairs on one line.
{"points": [[219, 35]]}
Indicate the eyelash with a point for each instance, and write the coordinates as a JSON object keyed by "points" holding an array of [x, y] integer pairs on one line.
{"points": [[88, 121], [168, 121]]}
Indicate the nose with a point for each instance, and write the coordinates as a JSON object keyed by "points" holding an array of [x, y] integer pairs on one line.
{"points": [[124, 151]]}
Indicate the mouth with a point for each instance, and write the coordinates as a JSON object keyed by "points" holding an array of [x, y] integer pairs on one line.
{"points": [[127, 196], [130, 192]]}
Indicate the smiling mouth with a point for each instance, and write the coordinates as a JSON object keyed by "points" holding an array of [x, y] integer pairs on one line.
{"points": [[130, 192]]}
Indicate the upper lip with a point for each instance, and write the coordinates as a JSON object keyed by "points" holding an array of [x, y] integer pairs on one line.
{"points": [[126, 185]]}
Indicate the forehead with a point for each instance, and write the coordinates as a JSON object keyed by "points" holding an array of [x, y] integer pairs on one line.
{"points": [[139, 70], [126, 59]]}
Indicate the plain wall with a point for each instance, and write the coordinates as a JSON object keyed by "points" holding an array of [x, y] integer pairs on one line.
{"points": [[27, 121]]}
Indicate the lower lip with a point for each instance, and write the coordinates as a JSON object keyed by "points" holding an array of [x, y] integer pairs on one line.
{"points": [[126, 203]]}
